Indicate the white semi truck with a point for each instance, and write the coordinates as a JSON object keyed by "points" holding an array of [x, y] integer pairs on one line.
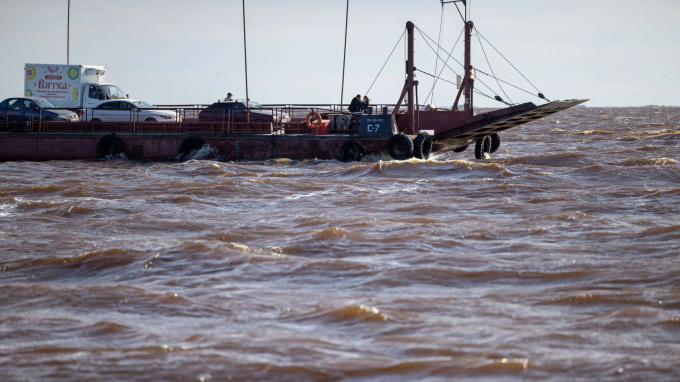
{"points": [[70, 86]]}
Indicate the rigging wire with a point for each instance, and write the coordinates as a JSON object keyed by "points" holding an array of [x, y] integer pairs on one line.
{"points": [[505, 82], [475, 90], [434, 83], [431, 48], [436, 78], [439, 41], [508, 61], [388, 58], [461, 15], [539, 95], [492, 72], [446, 65], [468, 14], [450, 56]]}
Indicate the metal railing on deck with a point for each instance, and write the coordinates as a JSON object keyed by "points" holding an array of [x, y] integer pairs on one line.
{"points": [[269, 119]]}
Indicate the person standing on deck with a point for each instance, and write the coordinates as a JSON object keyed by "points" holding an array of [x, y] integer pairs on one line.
{"points": [[364, 104], [355, 105], [229, 97]]}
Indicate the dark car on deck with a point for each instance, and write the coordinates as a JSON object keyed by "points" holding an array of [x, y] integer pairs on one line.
{"points": [[236, 111], [33, 108]]}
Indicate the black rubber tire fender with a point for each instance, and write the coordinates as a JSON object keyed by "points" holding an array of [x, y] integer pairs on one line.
{"points": [[422, 146], [482, 147], [110, 144], [495, 142], [192, 143], [400, 146], [350, 151], [460, 149]]}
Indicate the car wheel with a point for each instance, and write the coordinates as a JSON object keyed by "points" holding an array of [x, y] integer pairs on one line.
{"points": [[96, 120], [150, 120]]}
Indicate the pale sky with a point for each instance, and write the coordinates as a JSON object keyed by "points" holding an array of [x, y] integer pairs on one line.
{"points": [[615, 52]]}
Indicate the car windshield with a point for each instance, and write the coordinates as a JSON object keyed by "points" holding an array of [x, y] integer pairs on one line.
{"points": [[254, 105], [143, 105], [114, 91], [45, 103]]}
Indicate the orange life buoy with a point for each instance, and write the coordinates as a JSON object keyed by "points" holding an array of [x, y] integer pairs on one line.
{"points": [[316, 122]]}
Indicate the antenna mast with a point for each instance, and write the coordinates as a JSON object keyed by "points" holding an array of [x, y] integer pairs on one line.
{"points": [[344, 56], [245, 51], [68, 31]]}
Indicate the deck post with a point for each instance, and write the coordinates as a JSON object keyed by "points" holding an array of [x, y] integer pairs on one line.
{"points": [[410, 72], [408, 90], [467, 82]]}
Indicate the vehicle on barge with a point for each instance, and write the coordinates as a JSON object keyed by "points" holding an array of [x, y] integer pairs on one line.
{"points": [[25, 109], [127, 110], [70, 86], [399, 131]]}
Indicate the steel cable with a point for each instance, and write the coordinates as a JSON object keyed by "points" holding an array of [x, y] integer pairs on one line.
{"points": [[494, 77], [492, 72], [446, 65], [388, 58], [443, 66], [508, 61]]}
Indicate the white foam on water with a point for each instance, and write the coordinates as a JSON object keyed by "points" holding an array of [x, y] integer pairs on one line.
{"points": [[206, 152]]}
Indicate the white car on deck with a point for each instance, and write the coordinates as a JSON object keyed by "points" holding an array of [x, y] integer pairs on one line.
{"points": [[129, 110]]}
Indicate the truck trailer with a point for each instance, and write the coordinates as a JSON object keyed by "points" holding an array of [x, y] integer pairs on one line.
{"points": [[70, 86]]}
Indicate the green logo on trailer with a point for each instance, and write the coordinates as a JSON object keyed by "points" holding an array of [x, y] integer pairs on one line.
{"points": [[30, 72], [75, 94], [29, 93], [73, 72]]}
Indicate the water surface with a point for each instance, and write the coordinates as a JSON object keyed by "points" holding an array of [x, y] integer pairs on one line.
{"points": [[556, 259]]}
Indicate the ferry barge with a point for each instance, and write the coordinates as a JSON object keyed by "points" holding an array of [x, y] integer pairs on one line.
{"points": [[400, 131]]}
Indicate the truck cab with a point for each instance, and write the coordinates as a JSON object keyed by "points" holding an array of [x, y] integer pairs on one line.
{"points": [[96, 93]]}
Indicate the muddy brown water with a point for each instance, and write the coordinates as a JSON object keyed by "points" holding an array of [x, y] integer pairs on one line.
{"points": [[556, 259]]}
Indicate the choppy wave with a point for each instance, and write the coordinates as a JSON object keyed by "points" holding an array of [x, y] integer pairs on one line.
{"points": [[555, 259]]}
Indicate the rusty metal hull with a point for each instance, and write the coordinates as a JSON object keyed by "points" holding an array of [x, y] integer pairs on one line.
{"points": [[165, 147]]}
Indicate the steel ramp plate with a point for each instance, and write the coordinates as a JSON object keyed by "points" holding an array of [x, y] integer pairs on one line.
{"points": [[488, 123]]}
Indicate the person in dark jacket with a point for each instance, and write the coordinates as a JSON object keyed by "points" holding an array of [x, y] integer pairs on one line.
{"points": [[355, 105]]}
